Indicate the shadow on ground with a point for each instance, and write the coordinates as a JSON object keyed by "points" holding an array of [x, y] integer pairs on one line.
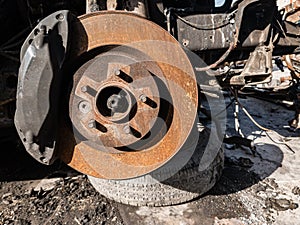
{"points": [[238, 174]]}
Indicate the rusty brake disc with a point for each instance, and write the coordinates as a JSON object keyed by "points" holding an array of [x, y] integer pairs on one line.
{"points": [[133, 103]]}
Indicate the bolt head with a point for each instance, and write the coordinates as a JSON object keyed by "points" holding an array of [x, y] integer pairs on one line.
{"points": [[126, 129], [44, 160], [84, 89], [143, 98], [60, 17], [92, 124], [84, 107]]}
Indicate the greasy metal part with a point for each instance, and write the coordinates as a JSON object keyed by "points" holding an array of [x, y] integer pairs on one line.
{"points": [[92, 6], [258, 64], [253, 18], [288, 40], [159, 70], [195, 39], [112, 4], [42, 57], [139, 7], [255, 22], [247, 27], [247, 24]]}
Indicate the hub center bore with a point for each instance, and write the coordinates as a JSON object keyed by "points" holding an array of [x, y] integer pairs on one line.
{"points": [[117, 103], [114, 103]]}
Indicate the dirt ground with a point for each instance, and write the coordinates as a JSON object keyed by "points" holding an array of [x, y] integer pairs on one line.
{"points": [[260, 187], [35, 194]]}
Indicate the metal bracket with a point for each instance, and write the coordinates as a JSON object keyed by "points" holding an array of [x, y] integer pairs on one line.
{"points": [[258, 64], [38, 93]]}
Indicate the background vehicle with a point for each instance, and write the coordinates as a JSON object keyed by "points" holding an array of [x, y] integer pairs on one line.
{"points": [[112, 87]]}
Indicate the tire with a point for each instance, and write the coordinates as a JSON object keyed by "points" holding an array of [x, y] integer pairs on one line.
{"points": [[181, 186]]}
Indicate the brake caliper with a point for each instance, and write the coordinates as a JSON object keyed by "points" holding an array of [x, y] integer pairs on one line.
{"points": [[42, 57]]}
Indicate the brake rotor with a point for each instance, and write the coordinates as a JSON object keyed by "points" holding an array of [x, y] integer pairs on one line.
{"points": [[133, 101]]}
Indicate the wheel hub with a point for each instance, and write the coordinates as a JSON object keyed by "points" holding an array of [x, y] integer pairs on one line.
{"points": [[123, 99]]}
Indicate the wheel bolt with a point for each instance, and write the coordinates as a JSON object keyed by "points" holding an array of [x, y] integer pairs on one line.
{"points": [[127, 129], [84, 107], [143, 98], [84, 89], [92, 124]]}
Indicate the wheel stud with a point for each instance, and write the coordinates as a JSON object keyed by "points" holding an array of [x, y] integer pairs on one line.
{"points": [[148, 101], [89, 90], [130, 130], [124, 76]]}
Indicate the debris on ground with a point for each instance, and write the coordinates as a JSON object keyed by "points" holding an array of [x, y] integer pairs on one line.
{"points": [[260, 188]]}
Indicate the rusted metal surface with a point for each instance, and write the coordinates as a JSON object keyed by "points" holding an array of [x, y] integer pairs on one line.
{"points": [[258, 64], [121, 103], [133, 106]]}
